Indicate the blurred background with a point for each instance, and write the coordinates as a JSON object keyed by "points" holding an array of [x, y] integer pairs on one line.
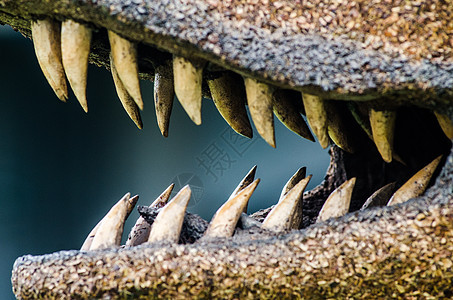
{"points": [[61, 169]]}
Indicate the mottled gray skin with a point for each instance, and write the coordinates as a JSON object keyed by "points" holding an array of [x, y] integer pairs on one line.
{"points": [[399, 251]]}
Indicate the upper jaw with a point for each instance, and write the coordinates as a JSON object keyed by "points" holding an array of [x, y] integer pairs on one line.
{"points": [[325, 63]]}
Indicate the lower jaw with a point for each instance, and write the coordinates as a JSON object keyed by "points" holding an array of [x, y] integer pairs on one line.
{"points": [[399, 250]]}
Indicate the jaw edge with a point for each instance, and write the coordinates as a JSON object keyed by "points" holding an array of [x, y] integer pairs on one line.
{"points": [[404, 248]]}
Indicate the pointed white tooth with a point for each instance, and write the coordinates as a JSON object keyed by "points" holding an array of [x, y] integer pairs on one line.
{"points": [[380, 197], [259, 99], [446, 124], [188, 76], [46, 40], [382, 127], [225, 219], [140, 232], [128, 103], [164, 93], [75, 48], [281, 216], [298, 176], [337, 204], [416, 185], [168, 223], [89, 240], [246, 181], [287, 112], [229, 100], [316, 117], [131, 204], [124, 54], [110, 229], [295, 179]]}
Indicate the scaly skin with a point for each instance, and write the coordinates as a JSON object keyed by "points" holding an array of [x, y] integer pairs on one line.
{"points": [[401, 251]]}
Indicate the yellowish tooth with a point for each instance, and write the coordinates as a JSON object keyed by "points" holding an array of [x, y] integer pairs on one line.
{"points": [[288, 114], [162, 200], [164, 93], [128, 103], [225, 219], [298, 176], [75, 48], [188, 76], [416, 185], [337, 204], [89, 240], [246, 181], [168, 223], [295, 179], [124, 54], [383, 125], [140, 232], [336, 129], [259, 99], [110, 229], [380, 197], [446, 124], [46, 40], [230, 103], [316, 117], [281, 216]]}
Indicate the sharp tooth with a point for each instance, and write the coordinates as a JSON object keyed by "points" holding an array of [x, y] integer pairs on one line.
{"points": [[287, 112], [124, 54], [281, 216], [416, 185], [298, 176], [188, 76], [259, 99], [110, 228], [140, 232], [46, 40], [225, 219], [164, 94], [168, 223], [89, 240], [246, 181], [446, 124], [75, 48], [383, 125], [126, 100], [336, 128], [337, 204], [380, 197], [229, 100], [317, 117], [295, 179]]}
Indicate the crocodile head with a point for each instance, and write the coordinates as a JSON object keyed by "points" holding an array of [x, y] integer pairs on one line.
{"points": [[371, 79]]}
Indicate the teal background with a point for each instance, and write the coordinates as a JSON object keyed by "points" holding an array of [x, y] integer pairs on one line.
{"points": [[61, 169]]}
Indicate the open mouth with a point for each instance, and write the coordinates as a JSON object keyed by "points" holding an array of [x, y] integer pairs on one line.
{"points": [[386, 115]]}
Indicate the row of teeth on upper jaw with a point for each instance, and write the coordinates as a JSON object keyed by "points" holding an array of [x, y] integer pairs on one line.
{"points": [[69, 52], [286, 214]]}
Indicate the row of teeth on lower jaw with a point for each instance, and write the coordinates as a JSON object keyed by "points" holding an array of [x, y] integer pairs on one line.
{"points": [[66, 49], [286, 214]]}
